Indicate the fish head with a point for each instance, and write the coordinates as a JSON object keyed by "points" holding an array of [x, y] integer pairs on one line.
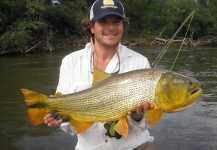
{"points": [[176, 92]]}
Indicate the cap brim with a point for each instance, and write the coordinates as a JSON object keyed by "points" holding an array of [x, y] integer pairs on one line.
{"points": [[95, 18]]}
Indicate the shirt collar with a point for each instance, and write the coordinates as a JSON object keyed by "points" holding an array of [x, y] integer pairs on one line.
{"points": [[113, 65], [122, 51]]}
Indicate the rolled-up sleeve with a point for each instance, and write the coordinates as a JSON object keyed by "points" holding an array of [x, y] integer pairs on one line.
{"points": [[138, 127], [66, 127]]}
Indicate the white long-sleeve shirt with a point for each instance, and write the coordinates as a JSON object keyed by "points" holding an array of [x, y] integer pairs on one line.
{"points": [[76, 75]]}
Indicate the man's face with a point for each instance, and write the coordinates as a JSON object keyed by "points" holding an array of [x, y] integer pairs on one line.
{"points": [[108, 31]]}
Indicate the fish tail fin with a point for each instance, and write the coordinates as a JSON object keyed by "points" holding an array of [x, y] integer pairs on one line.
{"points": [[37, 108], [36, 115]]}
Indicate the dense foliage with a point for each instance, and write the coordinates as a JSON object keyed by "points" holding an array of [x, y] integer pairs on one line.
{"points": [[26, 24]]}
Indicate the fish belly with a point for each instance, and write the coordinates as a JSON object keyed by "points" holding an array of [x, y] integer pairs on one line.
{"points": [[112, 98]]}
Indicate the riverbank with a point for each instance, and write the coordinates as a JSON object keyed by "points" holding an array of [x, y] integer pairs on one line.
{"points": [[78, 43]]}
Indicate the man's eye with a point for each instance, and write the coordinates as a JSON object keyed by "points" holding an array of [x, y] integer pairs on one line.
{"points": [[117, 21], [101, 21]]}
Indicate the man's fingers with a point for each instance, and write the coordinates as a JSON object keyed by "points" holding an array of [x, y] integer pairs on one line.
{"points": [[47, 116], [62, 118], [148, 106], [58, 122], [129, 113], [48, 120], [53, 118], [139, 109], [52, 123], [54, 114], [52, 96], [151, 106]]}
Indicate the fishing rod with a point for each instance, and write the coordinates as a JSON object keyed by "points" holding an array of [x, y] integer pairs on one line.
{"points": [[158, 58]]}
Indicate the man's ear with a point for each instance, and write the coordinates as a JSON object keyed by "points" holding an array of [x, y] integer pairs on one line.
{"points": [[92, 29]]}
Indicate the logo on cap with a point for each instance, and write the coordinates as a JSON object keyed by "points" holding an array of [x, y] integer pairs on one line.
{"points": [[108, 4]]}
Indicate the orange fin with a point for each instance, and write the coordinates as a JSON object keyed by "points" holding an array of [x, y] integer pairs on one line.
{"points": [[33, 97], [153, 116], [58, 94], [37, 108], [99, 76], [36, 115], [80, 126], [122, 127]]}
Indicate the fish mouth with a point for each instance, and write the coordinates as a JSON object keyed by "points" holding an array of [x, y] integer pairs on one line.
{"points": [[196, 90], [196, 93]]}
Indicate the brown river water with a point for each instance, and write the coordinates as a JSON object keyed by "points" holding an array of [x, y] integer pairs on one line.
{"points": [[192, 129]]}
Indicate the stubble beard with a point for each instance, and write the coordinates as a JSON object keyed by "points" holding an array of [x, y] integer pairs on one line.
{"points": [[107, 44]]}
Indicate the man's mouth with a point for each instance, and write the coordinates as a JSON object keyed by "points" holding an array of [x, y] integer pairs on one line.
{"points": [[110, 34]]}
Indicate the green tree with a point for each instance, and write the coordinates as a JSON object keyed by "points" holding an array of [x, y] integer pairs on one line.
{"points": [[30, 24]]}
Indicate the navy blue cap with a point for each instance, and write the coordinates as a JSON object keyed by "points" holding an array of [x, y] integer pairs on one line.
{"points": [[102, 8]]}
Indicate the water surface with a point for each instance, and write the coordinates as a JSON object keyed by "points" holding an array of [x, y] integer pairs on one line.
{"points": [[193, 129]]}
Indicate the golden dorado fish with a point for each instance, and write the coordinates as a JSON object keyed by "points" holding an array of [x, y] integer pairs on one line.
{"points": [[112, 97]]}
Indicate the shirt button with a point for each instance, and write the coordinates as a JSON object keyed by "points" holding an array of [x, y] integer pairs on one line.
{"points": [[106, 140]]}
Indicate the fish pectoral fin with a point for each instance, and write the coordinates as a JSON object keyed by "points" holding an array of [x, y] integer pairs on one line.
{"points": [[99, 76], [122, 127], [79, 125], [153, 116]]}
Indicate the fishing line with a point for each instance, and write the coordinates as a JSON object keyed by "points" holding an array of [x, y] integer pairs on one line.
{"points": [[158, 58], [182, 41]]}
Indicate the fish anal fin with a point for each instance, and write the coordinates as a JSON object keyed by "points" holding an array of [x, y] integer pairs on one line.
{"points": [[79, 125], [153, 116], [99, 76], [122, 127], [36, 115]]}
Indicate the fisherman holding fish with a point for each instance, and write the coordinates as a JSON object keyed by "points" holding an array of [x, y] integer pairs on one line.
{"points": [[105, 27]]}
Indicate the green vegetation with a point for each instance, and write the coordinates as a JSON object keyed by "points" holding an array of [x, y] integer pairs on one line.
{"points": [[37, 24]]}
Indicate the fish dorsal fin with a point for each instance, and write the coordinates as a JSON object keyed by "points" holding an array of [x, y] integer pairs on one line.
{"points": [[99, 75]]}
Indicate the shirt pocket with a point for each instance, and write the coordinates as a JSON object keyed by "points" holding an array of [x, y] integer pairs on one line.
{"points": [[80, 86]]}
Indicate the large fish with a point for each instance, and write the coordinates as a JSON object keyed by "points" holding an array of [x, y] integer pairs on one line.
{"points": [[112, 97]]}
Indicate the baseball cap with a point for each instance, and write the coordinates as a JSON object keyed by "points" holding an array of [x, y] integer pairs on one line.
{"points": [[102, 8]]}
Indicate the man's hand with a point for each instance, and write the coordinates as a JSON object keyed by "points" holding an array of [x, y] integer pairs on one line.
{"points": [[50, 120], [140, 109]]}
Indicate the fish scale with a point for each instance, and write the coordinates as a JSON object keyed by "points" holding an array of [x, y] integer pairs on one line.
{"points": [[111, 98], [118, 95]]}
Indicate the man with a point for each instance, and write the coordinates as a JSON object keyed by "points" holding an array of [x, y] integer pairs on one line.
{"points": [[105, 27]]}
